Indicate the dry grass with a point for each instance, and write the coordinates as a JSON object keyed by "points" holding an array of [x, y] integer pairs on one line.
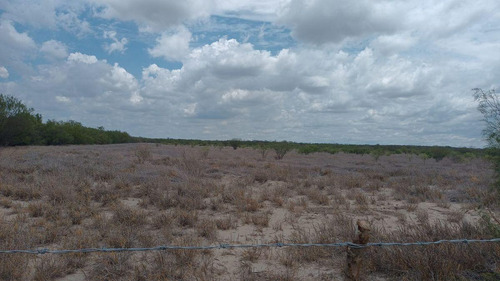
{"points": [[143, 195]]}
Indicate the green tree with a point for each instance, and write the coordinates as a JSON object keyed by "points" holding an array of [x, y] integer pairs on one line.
{"points": [[489, 106], [19, 125], [281, 148], [235, 143], [54, 133]]}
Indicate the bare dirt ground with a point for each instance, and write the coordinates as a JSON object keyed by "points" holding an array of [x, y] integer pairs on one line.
{"points": [[145, 195]]}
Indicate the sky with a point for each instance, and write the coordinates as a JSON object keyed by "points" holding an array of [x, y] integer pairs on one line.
{"points": [[328, 71]]}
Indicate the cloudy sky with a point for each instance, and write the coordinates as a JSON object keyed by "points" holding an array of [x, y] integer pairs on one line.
{"points": [[363, 72]]}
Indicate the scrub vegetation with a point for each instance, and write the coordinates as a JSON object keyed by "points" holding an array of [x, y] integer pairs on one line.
{"points": [[144, 195]]}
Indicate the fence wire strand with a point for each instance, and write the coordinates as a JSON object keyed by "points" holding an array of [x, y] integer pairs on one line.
{"points": [[232, 246]]}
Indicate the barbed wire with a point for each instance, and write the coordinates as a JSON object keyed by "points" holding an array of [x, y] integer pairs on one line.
{"points": [[231, 246]]}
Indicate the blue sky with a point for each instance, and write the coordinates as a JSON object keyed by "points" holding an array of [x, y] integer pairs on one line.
{"points": [[388, 72]]}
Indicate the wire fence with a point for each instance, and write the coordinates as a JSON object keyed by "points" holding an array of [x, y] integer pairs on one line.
{"points": [[232, 246]]}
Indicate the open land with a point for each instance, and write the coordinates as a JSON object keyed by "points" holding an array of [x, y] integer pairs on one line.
{"points": [[146, 195]]}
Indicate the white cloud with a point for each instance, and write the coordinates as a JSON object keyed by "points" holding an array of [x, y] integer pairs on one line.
{"points": [[172, 46], [36, 13], [79, 57], [227, 89], [51, 14], [4, 73], [117, 45], [262, 10], [371, 98], [437, 20], [13, 39], [62, 99], [53, 49], [393, 44], [68, 19], [81, 88], [16, 48], [155, 15]]}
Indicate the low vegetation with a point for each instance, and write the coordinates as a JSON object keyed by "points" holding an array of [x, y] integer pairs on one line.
{"points": [[145, 195]]}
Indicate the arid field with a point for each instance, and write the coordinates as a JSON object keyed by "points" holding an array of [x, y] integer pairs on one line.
{"points": [[146, 195]]}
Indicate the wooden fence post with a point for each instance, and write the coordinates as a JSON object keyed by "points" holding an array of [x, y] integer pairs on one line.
{"points": [[355, 255]]}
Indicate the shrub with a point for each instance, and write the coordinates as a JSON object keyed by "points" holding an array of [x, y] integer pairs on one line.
{"points": [[143, 153], [281, 148]]}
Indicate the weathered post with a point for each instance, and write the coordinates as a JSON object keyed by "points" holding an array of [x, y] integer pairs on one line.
{"points": [[355, 255]]}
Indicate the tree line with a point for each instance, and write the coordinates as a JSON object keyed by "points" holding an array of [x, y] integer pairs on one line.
{"points": [[20, 125]]}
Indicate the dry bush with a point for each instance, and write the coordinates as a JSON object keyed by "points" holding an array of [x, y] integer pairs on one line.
{"points": [[6, 203], [127, 216], [50, 267], [14, 236], [189, 195], [276, 195], [226, 223], [77, 213], [177, 265], [121, 237], [316, 196], [418, 193], [37, 209], [44, 232], [191, 165], [260, 219], [143, 153], [207, 229], [251, 254], [110, 266], [22, 192], [162, 220], [422, 216], [185, 218], [348, 181], [455, 216], [436, 262], [250, 205], [340, 228]]}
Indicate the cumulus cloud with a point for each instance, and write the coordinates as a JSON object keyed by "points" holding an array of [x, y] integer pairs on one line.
{"points": [[37, 13], [324, 21], [68, 19], [172, 46], [79, 57], [371, 98], [4, 73], [81, 88], [117, 45], [393, 44], [16, 48], [53, 49], [261, 10], [155, 15], [14, 40], [230, 89], [52, 14], [446, 18]]}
